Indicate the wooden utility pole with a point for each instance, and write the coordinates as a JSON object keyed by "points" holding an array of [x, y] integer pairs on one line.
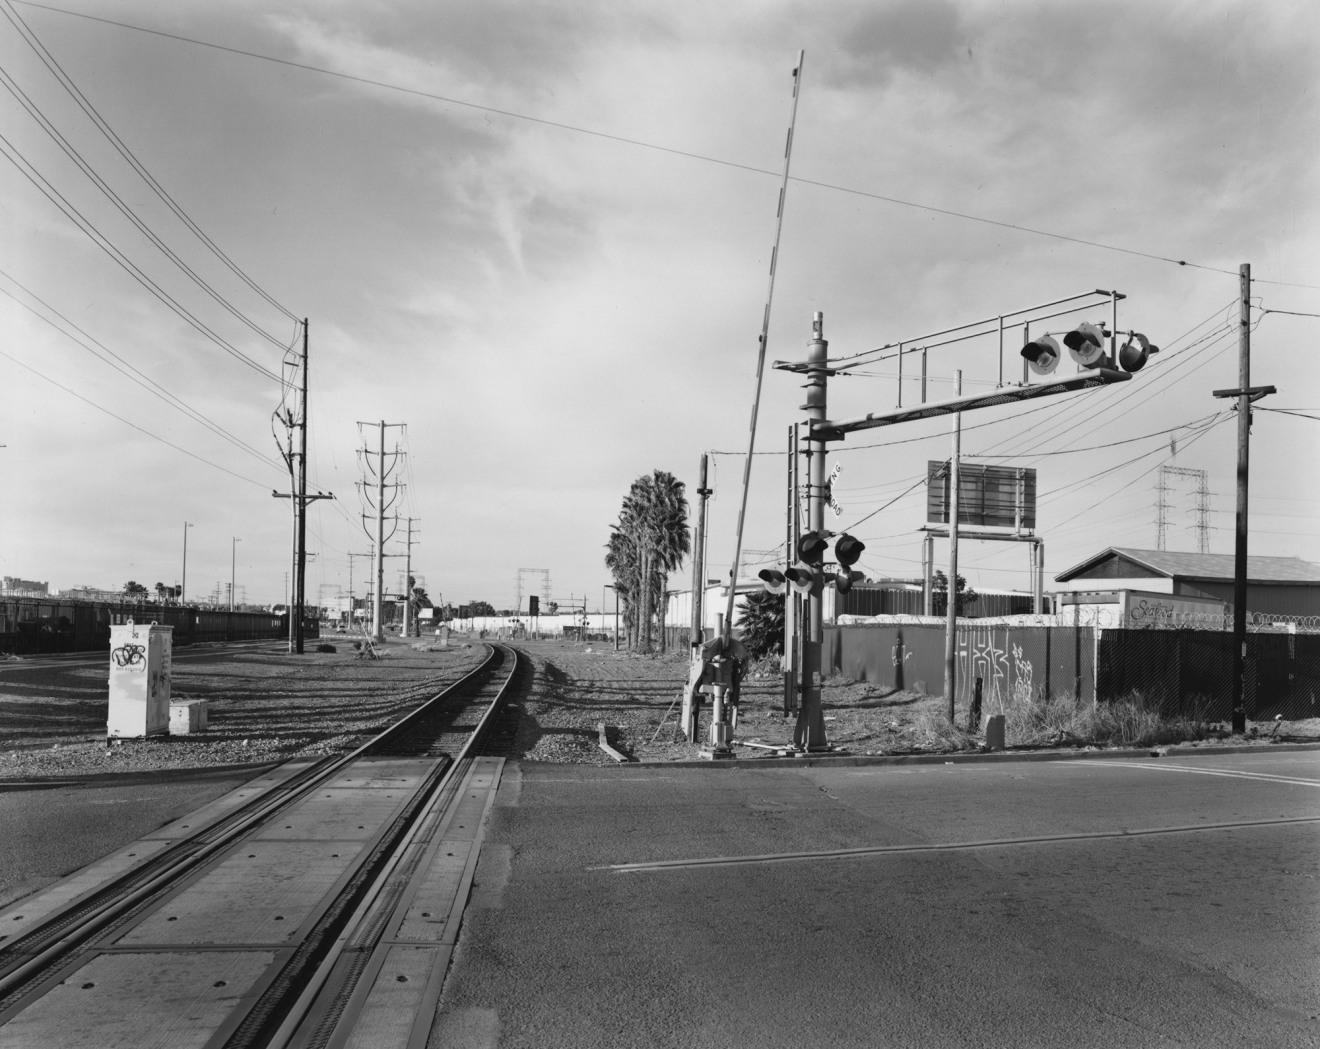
{"points": [[300, 585], [951, 623], [1245, 394], [299, 499]]}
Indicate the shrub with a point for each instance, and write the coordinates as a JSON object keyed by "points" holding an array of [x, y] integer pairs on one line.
{"points": [[1131, 721], [763, 624]]}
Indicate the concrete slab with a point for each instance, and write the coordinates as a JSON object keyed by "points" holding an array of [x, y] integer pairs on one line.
{"points": [[384, 772], [387, 1016], [18, 919], [222, 806], [428, 917], [336, 815], [262, 894], [139, 1001]]}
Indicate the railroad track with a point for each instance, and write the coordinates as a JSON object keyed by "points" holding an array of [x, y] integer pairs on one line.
{"points": [[329, 899]]}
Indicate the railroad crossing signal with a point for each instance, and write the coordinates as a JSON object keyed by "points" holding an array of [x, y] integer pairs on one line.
{"points": [[1086, 346], [807, 574], [847, 550]]}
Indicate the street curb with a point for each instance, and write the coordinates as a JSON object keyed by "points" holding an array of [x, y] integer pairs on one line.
{"points": [[964, 758]]}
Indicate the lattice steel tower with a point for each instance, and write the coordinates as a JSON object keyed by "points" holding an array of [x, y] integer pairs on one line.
{"points": [[1202, 506]]}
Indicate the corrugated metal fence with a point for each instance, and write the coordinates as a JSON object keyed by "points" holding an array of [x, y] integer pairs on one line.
{"points": [[1184, 672], [1012, 661]]}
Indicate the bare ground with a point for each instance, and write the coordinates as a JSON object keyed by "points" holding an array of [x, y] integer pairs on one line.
{"points": [[270, 707]]}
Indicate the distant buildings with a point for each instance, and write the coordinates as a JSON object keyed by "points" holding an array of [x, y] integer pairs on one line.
{"points": [[15, 587]]}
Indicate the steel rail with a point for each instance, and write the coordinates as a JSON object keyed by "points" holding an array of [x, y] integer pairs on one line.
{"points": [[67, 929], [304, 1012]]}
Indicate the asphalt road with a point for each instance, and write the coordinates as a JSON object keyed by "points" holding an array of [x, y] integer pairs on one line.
{"points": [[1147, 901]]}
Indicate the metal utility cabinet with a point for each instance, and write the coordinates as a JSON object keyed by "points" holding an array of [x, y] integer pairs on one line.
{"points": [[140, 659]]}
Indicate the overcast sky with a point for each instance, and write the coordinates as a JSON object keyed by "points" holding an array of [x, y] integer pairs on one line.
{"points": [[538, 235]]}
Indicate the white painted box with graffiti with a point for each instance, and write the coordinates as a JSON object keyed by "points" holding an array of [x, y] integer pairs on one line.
{"points": [[140, 662]]}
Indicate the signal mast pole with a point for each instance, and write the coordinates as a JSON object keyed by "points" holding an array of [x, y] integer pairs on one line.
{"points": [[809, 732]]}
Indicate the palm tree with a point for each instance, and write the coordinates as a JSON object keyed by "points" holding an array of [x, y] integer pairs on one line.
{"points": [[621, 560], [648, 543]]}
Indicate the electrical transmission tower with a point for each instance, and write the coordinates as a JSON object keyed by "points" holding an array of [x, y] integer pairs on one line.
{"points": [[1202, 506], [544, 573], [373, 497]]}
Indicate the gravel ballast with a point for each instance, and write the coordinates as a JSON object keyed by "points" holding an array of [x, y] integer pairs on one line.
{"points": [[267, 706]]}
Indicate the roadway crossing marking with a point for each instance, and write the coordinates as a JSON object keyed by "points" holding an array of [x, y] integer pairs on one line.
{"points": [[1268, 777], [947, 846]]}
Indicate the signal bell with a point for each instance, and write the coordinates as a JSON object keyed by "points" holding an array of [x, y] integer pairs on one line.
{"points": [[1042, 355], [1133, 358]]}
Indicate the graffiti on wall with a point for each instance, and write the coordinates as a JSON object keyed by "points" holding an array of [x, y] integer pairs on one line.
{"points": [[986, 652]]}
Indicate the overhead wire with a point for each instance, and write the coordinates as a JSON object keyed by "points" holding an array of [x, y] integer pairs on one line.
{"points": [[130, 372], [135, 426], [94, 115], [100, 240], [115, 199], [578, 129]]}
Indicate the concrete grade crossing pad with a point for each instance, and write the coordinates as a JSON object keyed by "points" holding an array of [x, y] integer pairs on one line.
{"points": [[188, 968], [135, 1000]]}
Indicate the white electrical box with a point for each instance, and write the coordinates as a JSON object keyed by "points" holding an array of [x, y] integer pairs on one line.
{"points": [[140, 660]]}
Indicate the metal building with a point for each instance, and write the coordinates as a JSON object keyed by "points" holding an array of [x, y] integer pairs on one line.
{"points": [[1284, 586]]}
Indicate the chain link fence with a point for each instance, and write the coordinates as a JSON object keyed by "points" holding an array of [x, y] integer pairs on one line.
{"points": [[1189, 673]]}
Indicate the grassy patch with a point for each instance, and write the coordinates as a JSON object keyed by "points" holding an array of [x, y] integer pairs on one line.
{"points": [[1038, 721]]}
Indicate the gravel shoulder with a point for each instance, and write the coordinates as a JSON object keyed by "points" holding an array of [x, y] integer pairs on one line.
{"points": [[267, 706], [264, 706], [577, 687]]}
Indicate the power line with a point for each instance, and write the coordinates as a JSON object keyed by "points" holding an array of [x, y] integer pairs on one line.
{"points": [[155, 437], [85, 104], [100, 240], [577, 129], [123, 208], [143, 380]]}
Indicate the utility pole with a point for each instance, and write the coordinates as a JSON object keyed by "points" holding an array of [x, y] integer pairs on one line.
{"points": [[183, 587], [951, 622], [298, 500], [378, 600], [233, 569], [792, 600], [691, 696], [809, 732], [300, 565], [699, 558], [407, 580], [1245, 394]]}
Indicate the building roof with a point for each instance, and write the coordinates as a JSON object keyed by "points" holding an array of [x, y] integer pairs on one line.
{"points": [[1170, 565]]}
